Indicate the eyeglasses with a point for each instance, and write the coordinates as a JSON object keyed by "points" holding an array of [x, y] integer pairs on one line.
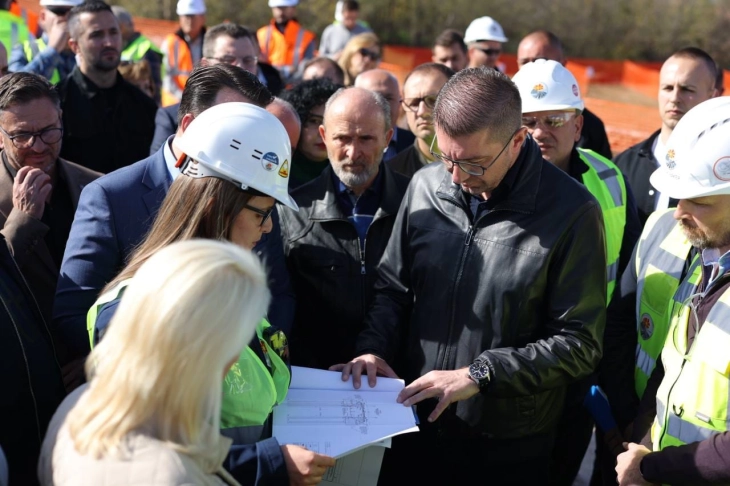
{"points": [[264, 213], [413, 104], [374, 55], [470, 168], [248, 61], [26, 140], [489, 51], [548, 121]]}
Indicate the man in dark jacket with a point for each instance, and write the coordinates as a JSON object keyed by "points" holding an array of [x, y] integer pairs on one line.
{"points": [[491, 295], [352, 202], [108, 123]]}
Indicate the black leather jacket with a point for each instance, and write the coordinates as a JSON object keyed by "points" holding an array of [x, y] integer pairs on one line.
{"points": [[523, 287], [334, 288]]}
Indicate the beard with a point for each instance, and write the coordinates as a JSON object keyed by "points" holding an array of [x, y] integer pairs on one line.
{"points": [[704, 239], [363, 174], [106, 65]]}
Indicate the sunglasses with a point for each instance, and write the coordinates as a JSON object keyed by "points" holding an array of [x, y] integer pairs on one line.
{"points": [[489, 51], [58, 11], [548, 121], [374, 55]]}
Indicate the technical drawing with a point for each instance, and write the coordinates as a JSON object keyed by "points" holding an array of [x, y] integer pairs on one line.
{"points": [[354, 411]]}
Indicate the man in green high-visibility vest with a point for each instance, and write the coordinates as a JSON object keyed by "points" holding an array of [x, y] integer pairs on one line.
{"points": [[50, 56], [136, 47]]}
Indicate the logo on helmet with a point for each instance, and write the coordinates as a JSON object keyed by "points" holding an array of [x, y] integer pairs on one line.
{"points": [[284, 171], [671, 164], [539, 91], [270, 161], [575, 91], [721, 169]]}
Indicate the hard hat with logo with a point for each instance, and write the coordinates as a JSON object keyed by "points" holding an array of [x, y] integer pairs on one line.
{"points": [[546, 86], [697, 163], [283, 3], [190, 7], [240, 143], [484, 29]]}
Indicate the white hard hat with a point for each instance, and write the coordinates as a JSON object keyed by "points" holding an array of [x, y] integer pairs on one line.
{"points": [[283, 3], [484, 29], [698, 153], [190, 7], [61, 3], [546, 85], [240, 143]]}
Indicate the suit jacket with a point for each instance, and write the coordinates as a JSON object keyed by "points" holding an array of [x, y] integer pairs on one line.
{"points": [[114, 215], [637, 164], [25, 234], [165, 126], [593, 135]]}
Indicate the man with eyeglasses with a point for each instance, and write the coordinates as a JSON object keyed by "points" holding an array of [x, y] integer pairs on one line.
{"points": [[50, 55], [420, 91], [552, 112], [484, 38], [680, 435], [491, 296], [39, 191]]}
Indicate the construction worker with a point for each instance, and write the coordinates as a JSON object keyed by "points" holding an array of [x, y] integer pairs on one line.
{"points": [[484, 38], [285, 44], [183, 49], [552, 111], [29, 17], [689, 435], [13, 30], [49, 56], [136, 47]]}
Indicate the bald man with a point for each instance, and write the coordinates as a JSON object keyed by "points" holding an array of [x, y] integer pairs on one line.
{"points": [[386, 85], [333, 271], [543, 44], [288, 116]]}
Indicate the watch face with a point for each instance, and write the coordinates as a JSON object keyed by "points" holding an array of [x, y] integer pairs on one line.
{"points": [[479, 370]]}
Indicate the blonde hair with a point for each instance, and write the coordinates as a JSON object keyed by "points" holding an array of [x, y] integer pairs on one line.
{"points": [[191, 309], [136, 72], [366, 40]]}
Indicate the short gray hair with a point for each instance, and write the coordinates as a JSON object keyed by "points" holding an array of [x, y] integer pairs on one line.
{"points": [[476, 99], [123, 16], [378, 99]]}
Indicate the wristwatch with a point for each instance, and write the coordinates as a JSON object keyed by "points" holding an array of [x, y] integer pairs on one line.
{"points": [[479, 372]]}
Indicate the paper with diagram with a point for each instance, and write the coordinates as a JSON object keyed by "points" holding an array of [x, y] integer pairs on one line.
{"points": [[327, 415]]}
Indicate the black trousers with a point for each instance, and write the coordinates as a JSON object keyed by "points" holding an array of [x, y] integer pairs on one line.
{"points": [[571, 439]]}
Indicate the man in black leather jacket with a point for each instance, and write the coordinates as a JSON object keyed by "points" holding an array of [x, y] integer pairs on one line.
{"points": [[490, 299]]}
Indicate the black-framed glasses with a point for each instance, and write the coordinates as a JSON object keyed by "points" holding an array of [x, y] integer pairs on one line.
{"points": [[470, 168], [264, 213], [374, 55], [549, 121], [248, 61], [26, 140], [489, 51], [412, 104]]}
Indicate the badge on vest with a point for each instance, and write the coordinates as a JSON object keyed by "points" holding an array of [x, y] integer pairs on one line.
{"points": [[647, 326]]}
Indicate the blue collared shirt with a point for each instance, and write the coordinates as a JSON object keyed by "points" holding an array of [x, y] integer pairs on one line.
{"points": [[361, 210], [170, 160], [715, 265], [45, 63]]}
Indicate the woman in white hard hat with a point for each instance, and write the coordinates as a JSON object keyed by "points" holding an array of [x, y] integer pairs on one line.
{"points": [[235, 166]]}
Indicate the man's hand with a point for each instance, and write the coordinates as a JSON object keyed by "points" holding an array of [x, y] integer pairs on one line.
{"points": [[31, 188], [58, 34], [305, 466], [627, 467], [447, 386], [373, 366]]}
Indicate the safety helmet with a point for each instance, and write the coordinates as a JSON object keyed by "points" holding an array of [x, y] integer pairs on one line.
{"points": [[546, 85], [240, 143], [283, 3], [190, 7], [698, 153], [484, 29], [61, 3]]}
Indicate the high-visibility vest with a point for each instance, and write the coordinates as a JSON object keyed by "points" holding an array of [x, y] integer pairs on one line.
{"points": [[137, 49], [606, 182], [12, 30], [177, 66], [29, 17], [692, 400], [661, 258], [32, 48], [285, 51], [251, 388]]}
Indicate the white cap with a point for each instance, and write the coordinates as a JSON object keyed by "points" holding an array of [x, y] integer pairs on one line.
{"points": [[283, 3], [61, 3], [190, 7], [546, 85], [698, 153], [484, 29], [240, 143]]}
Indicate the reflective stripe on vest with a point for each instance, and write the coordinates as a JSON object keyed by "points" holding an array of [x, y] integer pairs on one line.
{"points": [[286, 50], [605, 181], [32, 48], [661, 257], [136, 50], [12, 30], [177, 68], [297, 48], [693, 398]]}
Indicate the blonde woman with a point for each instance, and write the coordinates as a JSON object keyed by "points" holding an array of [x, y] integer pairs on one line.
{"points": [[361, 53], [150, 411]]}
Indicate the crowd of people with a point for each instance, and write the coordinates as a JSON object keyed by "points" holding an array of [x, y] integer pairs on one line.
{"points": [[180, 224]]}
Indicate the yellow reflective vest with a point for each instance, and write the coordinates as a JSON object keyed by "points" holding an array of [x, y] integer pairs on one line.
{"points": [[12, 30]]}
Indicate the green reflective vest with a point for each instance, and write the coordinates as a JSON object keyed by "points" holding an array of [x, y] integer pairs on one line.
{"points": [[251, 388], [136, 50], [661, 257], [34, 46], [12, 30], [605, 181], [692, 401]]}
